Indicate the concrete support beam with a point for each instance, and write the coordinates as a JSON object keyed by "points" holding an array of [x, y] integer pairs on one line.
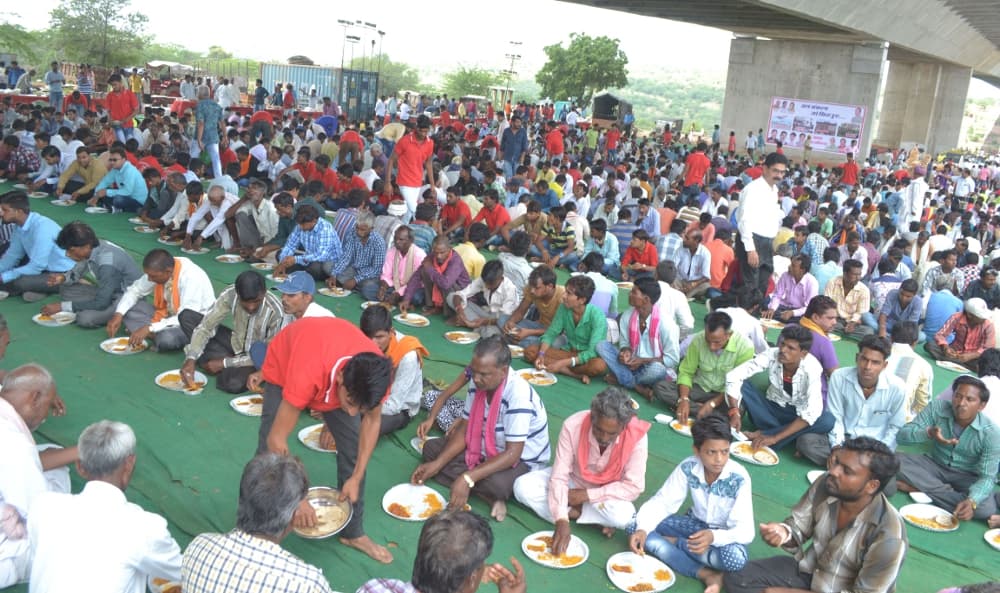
{"points": [[923, 104], [815, 71]]}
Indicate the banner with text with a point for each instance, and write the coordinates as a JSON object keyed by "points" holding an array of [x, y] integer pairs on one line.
{"points": [[826, 127]]}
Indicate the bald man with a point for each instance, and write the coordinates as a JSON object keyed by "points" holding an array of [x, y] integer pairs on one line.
{"points": [[27, 395]]}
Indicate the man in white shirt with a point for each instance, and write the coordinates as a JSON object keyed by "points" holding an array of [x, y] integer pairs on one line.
{"points": [[500, 294], [187, 90], [28, 394], [255, 218], [913, 369], [672, 303], [176, 284], [758, 220], [97, 536], [217, 205]]}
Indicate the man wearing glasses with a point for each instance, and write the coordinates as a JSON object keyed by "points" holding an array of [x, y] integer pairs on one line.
{"points": [[123, 187], [758, 219]]}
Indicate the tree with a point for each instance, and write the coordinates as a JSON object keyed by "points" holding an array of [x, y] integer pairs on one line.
{"points": [[394, 77], [469, 81], [103, 32], [15, 39], [216, 52], [587, 66]]}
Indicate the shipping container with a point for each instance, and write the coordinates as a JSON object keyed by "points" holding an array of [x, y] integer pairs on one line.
{"points": [[303, 78], [357, 94]]}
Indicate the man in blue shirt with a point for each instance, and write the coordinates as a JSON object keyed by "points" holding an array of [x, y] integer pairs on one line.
{"points": [[360, 265], [545, 196], [940, 306], [35, 237], [901, 304], [513, 143], [649, 220], [123, 189], [313, 246], [622, 231], [605, 245]]}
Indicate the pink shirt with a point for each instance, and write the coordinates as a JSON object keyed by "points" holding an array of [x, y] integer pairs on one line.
{"points": [[565, 474], [395, 261]]}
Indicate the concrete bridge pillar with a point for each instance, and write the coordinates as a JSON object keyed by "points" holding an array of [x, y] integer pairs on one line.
{"points": [[923, 104], [825, 72]]}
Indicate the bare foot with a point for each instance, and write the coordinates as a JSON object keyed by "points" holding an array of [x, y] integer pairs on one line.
{"points": [[645, 392], [608, 532], [712, 579], [499, 510], [369, 547], [585, 379], [993, 521], [611, 379]]}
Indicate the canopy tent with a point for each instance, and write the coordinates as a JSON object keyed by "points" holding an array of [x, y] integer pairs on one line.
{"points": [[610, 107]]}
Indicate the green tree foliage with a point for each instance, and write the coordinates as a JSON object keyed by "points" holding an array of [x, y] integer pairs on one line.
{"points": [[216, 52], [587, 66], [101, 32], [695, 97], [394, 76], [466, 80], [16, 39]]}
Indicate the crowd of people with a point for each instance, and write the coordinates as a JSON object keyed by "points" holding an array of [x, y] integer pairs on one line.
{"points": [[470, 221]]}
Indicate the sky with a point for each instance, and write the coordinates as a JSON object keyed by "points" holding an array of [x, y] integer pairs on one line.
{"points": [[426, 37]]}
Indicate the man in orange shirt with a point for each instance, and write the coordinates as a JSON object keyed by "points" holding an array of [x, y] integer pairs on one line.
{"points": [[640, 258], [122, 108], [721, 249], [695, 169], [554, 144], [413, 155], [493, 214]]}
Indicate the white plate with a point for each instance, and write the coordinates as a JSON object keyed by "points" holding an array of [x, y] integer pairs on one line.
{"points": [[199, 251], [418, 443], [644, 569], [334, 292], [928, 511], [772, 324], [367, 304], [515, 351], [164, 586], [20, 186], [763, 456], [814, 475], [136, 220], [413, 320], [172, 242], [952, 366], [635, 404], [461, 337], [95, 210], [262, 265], [144, 229], [680, 428], [62, 203], [60, 319], [248, 405], [663, 418], [309, 436], [274, 278], [177, 385], [119, 347], [229, 258], [624, 285], [323, 499], [921, 498], [992, 537], [38, 194], [538, 378], [833, 337], [420, 501], [576, 548]]}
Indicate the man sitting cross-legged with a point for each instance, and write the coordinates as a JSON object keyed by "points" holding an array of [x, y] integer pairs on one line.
{"points": [[599, 470], [583, 326], [502, 435], [713, 536], [647, 348], [793, 403]]}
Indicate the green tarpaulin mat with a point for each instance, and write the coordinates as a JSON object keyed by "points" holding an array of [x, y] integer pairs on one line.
{"points": [[192, 449]]}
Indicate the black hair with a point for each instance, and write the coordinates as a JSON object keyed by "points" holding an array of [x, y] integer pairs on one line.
{"points": [[366, 379], [77, 234], [582, 286], [712, 427], [876, 343], [717, 320], [798, 334], [542, 275], [819, 304], [882, 462], [375, 319], [984, 391], [250, 285], [492, 272], [906, 332], [647, 286]]}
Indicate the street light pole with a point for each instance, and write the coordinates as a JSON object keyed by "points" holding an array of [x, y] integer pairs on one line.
{"points": [[510, 72], [378, 79]]}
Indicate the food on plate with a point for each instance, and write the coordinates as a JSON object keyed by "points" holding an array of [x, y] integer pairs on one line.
{"points": [[174, 588], [399, 510], [640, 587], [455, 335], [621, 567], [328, 518], [996, 538], [570, 560], [160, 582], [545, 538], [174, 380], [44, 317], [678, 426], [937, 523], [663, 575], [537, 547], [765, 456], [433, 503]]}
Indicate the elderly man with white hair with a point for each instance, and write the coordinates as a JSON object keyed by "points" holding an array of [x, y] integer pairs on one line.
{"points": [[97, 536], [600, 469], [27, 394], [218, 204]]}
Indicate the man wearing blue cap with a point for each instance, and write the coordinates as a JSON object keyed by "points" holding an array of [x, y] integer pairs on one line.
{"points": [[296, 302]]}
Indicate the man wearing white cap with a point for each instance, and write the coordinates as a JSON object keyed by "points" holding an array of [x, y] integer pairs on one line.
{"points": [[973, 334]]}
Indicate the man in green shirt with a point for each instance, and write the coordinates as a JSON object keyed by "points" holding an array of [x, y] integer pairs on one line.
{"points": [[583, 325], [701, 376], [959, 471]]}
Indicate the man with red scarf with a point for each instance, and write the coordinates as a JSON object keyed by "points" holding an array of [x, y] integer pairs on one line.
{"points": [[502, 435], [440, 274], [600, 468]]}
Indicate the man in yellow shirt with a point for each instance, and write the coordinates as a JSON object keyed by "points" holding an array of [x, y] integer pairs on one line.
{"points": [[85, 167], [135, 85]]}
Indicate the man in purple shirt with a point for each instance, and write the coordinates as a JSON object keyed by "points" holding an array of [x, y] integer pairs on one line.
{"points": [[819, 318], [794, 290], [441, 273]]}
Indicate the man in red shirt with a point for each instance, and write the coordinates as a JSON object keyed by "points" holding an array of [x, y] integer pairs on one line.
{"points": [[493, 214], [413, 155], [350, 144], [302, 164], [611, 143], [695, 170], [324, 174], [850, 176], [455, 216], [554, 144], [122, 108], [329, 366], [640, 258]]}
